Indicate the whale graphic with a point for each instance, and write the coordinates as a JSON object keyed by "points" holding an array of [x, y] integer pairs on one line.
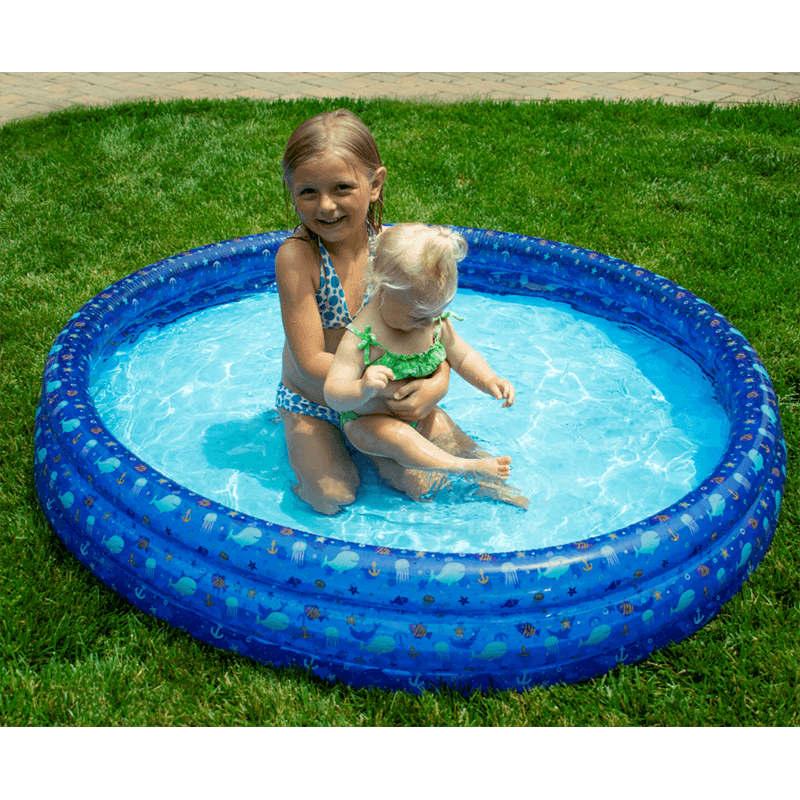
{"points": [[596, 636], [492, 651], [685, 600], [185, 586], [650, 542], [344, 561], [450, 574], [246, 537], [168, 503]]}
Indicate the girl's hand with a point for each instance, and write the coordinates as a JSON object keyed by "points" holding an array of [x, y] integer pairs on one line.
{"points": [[501, 388], [412, 400], [374, 379], [415, 399]]}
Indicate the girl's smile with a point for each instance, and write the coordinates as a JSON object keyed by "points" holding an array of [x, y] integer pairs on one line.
{"points": [[332, 197]]}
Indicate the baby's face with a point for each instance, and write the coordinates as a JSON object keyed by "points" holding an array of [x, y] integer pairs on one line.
{"points": [[401, 312]]}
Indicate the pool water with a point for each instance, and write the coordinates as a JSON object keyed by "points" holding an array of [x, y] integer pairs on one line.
{"points": [[609, 426]]}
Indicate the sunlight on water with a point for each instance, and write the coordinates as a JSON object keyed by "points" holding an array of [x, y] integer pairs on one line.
{"points": [[609, 426]]}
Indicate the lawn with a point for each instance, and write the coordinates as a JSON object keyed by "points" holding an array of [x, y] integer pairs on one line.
{"points": [[706, 196]]}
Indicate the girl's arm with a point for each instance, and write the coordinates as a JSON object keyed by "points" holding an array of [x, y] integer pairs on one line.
{"points": [[473, 368], [348, 385], [295, 264]]}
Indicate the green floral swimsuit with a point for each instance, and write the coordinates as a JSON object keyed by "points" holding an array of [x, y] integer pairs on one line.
{"points": [[413, 365]]}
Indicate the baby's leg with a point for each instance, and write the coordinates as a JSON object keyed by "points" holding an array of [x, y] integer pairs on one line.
{"points": [[388, 437], [327, 479], [440, 428]]}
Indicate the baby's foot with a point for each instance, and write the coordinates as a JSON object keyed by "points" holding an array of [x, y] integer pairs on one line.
{"points": [[499, 467]]}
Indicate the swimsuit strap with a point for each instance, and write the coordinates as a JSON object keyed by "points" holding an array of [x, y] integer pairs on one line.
{"points": [[367, 340], [331, 299]]}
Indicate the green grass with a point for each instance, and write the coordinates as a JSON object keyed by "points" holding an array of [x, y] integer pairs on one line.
{"points": [[706, 196]]}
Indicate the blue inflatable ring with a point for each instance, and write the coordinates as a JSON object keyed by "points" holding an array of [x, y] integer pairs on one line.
{"points": [[380, 617]]}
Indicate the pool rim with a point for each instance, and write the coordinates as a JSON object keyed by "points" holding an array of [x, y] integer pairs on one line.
{"points": [[123, 301]]}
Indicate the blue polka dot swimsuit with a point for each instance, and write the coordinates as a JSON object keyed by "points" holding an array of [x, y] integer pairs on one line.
{"points": [[331, 301], [332, 305]]}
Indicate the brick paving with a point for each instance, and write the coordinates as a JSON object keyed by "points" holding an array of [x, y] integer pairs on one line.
{"points": [[23, 94]]}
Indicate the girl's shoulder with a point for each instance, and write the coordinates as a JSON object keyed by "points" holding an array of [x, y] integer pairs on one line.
{"points": [[297, 269], [298, 255], [298, 246]]}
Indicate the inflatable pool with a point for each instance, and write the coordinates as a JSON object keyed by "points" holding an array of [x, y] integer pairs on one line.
{"points": [[394, 618]]}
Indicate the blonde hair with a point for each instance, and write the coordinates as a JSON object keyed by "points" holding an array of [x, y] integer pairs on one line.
{"points": [[415, 259], [340, 133]]}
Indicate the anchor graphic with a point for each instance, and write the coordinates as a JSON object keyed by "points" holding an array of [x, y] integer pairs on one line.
{"points": [[588, 566], [373, 571], [525, 681], [217, 632], [272, 549], [416, 682], [309, 663], [483, 579], [674, 536], [139, 592], [121, 478], [187, 516], [84, 549]]}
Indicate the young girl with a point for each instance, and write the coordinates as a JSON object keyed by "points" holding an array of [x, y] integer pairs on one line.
{"points": [[405, 331], [333, 173]]}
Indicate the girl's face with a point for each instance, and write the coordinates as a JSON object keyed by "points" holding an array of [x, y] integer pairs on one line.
{"points": [[332, 197]]}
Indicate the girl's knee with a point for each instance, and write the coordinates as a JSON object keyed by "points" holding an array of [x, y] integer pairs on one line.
{"points": [[328, 500], [328, 494]]}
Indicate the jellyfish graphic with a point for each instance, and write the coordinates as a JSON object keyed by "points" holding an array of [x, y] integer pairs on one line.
{"points": [[740, 479], [610, 555], [90, 524], [401, 567], [442, 650], [138, 486], [551, 645], [689, 522], [298, 552], [648, 617], [150, 568], [233, 607], [331, 636], [510, 572], [88, 446], [208, 522]]}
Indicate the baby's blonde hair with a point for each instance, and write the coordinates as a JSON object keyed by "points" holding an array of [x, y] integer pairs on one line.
{"points": [[413, 256]]}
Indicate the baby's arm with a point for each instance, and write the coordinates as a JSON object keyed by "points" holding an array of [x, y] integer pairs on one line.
{"points": [[473, 368], [349, 386]]}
